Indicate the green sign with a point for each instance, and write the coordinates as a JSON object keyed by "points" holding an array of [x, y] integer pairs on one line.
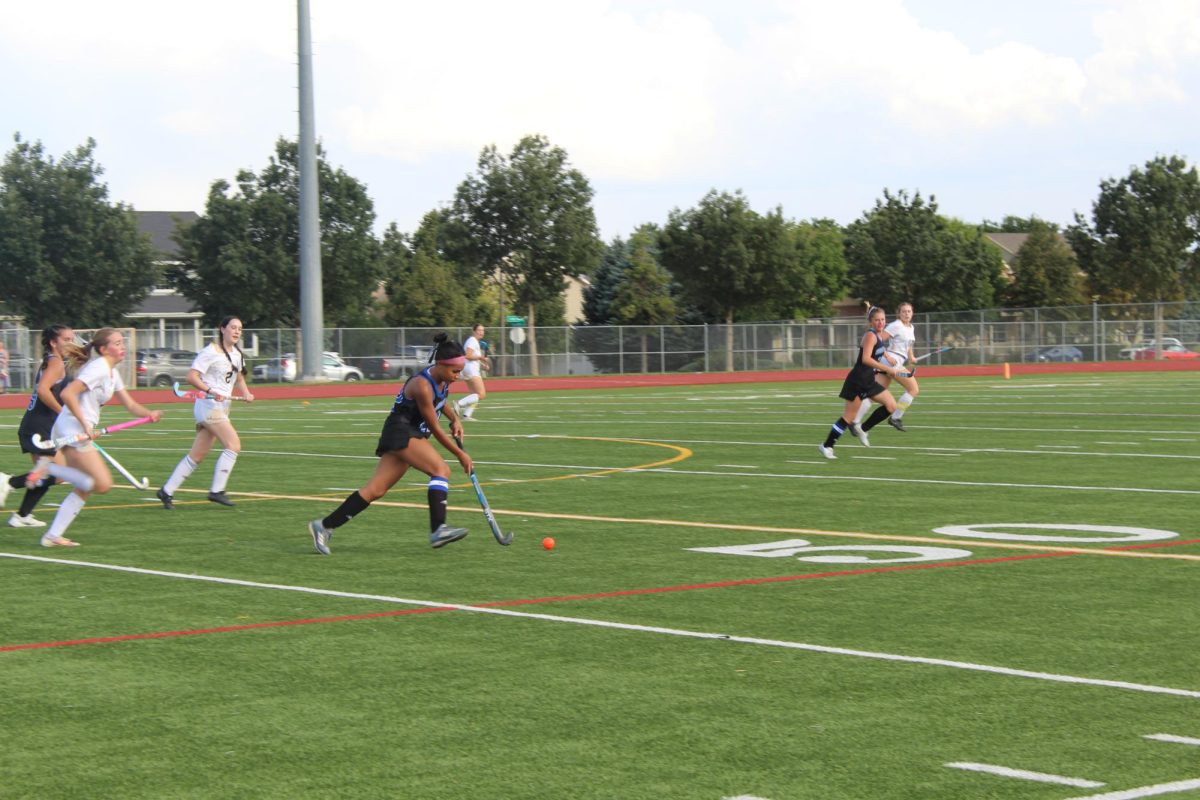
{"points": [[515, 321]]}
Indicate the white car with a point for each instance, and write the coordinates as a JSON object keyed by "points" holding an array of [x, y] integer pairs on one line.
{"points": [[284, 369]]}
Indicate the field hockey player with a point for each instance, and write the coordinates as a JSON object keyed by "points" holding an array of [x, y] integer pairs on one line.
{"points": [[95, 384], [218, 370], [404, 442], [860, 384], [902, 338]]}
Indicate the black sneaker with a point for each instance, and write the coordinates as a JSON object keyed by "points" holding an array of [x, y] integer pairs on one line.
{"points": [[220, 497], [167, 501], [897, 424]]}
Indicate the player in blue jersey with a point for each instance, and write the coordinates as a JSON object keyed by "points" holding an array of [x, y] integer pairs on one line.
{"points": [[44, 405], [404, 442]]}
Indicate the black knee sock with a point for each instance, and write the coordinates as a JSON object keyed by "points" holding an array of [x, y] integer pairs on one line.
{"points": [[346, 511], [32, 498], [835, 432], [439, 490], [877, 416], [17, 481]]}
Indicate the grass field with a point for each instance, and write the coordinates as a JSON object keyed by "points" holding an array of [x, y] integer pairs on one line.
{"points": [[726, 613]]}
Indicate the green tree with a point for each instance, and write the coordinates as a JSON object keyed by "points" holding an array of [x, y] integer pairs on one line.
{"points": [[605, 280], [66, 253], [822, 274], [904, 250], [423, 287], [730, 261], [643, 295], [1012, 224], [1045, 271], [1141, 243], [528, 216], [242, 257]]}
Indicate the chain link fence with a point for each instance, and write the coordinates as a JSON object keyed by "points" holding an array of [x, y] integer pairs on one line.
{"points": [[991, 336]]}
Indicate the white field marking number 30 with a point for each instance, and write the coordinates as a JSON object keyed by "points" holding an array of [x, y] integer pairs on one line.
{"points": [[803, 550]]}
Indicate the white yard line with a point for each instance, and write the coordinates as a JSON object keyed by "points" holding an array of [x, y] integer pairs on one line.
{"points": [[1170, 737], [1145, 791], [1026, 775], [622, 626]]}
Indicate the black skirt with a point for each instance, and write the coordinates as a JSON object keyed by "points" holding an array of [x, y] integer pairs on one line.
{"points": [[397, 431]]}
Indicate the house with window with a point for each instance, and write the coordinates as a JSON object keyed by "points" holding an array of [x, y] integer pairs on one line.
{"points": [[165, 318]]}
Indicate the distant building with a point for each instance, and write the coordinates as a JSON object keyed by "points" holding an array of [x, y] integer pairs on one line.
{"points": [[166, 318]]}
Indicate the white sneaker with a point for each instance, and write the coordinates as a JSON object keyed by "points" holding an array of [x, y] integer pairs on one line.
{"points": [[4, 487], [826, 451], [860, 434], [27, 521]]}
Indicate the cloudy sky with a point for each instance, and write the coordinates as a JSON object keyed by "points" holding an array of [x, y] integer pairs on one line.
{"points": [[1020, 107]]}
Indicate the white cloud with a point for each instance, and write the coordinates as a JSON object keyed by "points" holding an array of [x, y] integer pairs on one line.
{"points": [[626, 97], [877, 52]]}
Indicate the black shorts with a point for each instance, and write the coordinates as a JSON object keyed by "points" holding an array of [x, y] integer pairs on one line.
{"points": [[396, 433], [855, 387], [25, 436]]}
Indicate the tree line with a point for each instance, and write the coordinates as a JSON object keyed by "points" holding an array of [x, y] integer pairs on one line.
{"points": [[521, 222]]}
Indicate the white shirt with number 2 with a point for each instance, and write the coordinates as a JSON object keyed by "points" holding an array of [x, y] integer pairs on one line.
{"points": [[900, 346]]}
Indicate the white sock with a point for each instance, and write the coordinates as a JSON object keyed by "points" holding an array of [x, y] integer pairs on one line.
{"points": [[902, 405], [182, 470], [76, 477], [863, 408], [67, 512], [221, 471], [467, 404]]}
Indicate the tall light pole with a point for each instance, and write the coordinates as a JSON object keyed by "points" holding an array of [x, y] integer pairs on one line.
{"points": [[312, 320]]}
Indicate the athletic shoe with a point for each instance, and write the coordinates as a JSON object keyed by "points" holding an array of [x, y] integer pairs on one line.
{"points": [[167, 500], [826, 451], [320, 536], [4, 487], [60, 541], [444, 535], [220, 497], [35, 475], [897, 424], [27, 521], [860, 434]]}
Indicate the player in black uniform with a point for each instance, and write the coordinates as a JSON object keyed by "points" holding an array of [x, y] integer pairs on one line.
{"points": [[860, 383], [43, 408], [404, 442]]}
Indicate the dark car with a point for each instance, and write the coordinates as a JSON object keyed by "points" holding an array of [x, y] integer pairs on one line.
{"points": [[411, 359], [163, 366], [1058, 352]]}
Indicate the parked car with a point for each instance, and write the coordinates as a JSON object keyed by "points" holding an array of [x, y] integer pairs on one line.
{"points": [[1150, 344], [409, 360], [1171, 351], [1057, 352], [163, 366], [284, 369]]}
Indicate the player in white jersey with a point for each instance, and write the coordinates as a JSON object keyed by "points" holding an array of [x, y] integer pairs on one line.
{"points": [[94, 385], [218, 370], [472, 373], [900, 352]]}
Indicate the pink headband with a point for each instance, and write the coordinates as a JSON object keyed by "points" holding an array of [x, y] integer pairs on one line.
{"points": [[458, 361]]}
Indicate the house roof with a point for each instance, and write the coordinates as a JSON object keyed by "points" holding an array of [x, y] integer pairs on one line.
{"points": [[160, 225], [1010, 243]]}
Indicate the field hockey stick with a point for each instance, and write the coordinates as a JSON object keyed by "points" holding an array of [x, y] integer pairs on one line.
{"points": [[145, 482], [71, 438], [503, 538], [934, 353], [193, 394]]}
